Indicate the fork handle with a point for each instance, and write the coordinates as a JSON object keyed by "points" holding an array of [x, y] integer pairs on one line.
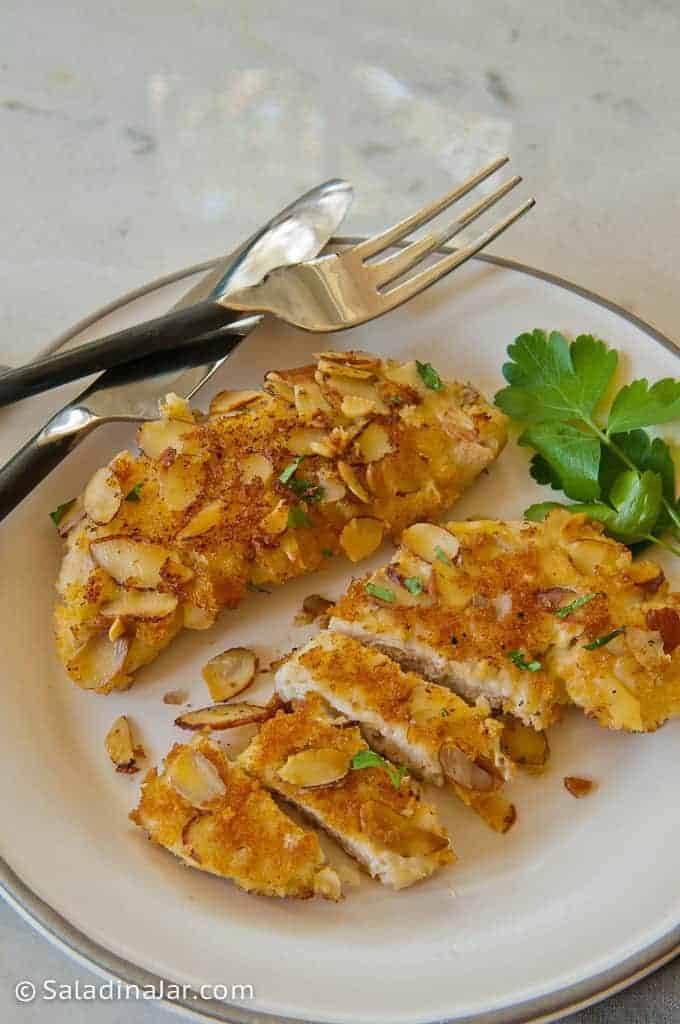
{"points": [[163, 332], [29, 467]]}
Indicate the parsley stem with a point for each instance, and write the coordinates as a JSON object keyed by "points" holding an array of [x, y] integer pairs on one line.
{"points": [[662, 543]]}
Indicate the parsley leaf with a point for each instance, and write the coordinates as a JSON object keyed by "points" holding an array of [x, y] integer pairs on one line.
{"points": [[290, 470], [429, 376], [135, 493], [369, 759], [572, 455], [602, 640], [639, 405], [414, 585], [60, 511], [518, 659], [326, 552], [383, 593], [297, 517], [566, 610], [441, 555], [637, 500]]}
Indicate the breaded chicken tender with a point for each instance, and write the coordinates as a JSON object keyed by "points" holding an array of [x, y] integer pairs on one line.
{"points": [[213, 816], [529, 616], [328, 459], [325, 768]]}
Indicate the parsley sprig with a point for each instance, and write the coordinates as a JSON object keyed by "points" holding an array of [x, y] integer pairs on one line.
{"points": [[610, 467], [369, 759]]}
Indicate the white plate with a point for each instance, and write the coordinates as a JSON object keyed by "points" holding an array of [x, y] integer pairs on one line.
{"points": [[575, 900]]}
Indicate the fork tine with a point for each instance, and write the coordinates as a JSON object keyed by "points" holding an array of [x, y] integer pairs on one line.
{"points": [[444, 266], [372, 246], [391, 267]]}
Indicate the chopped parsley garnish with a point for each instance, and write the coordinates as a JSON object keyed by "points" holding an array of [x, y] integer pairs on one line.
{"points": [[573, 606], [290, 470], [326, 552], [135, 493], [414, 585], [441, 555], [384, 593], [602, 640], [254, 588], [429, 376], [518, 659], [369, 759], [396, 400], [297, 517], [60, 511], [444, 713]]}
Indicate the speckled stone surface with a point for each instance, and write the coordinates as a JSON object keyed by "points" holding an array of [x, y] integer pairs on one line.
{"points": [[143, 135]]}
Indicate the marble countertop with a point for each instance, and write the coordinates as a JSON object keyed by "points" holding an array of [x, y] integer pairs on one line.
{"points": [[140, 136]]}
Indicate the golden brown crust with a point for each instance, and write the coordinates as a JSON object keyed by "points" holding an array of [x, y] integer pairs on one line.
{"points": [[380, 451], [497, 604], [241, 834]]}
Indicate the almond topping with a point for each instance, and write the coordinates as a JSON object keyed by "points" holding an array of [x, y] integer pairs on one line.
{"points": [[207, 518], [276, 521], [312, 769], [469, 774], [232, 401], [374, 443], [431, 543], [103, 496], [174, 407], [119, 746], [305, 440], [314, 607], [525, 746], [132, 562], [230, 672], [309, 401], [256, 466], [156, 436], [116, 629], [195, 778], [175, 697], [224, 716], [397, 833], [140, 604], [180, 482], [361, 537], [275, 385], [332, 488], [350, 477], [336, 369], [74, 515], [97, 664], [353, 357], [449, 587], [354, 407], [587, 556]]}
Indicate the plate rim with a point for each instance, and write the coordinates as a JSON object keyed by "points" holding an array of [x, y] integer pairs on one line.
{"points": [[78, 946]]}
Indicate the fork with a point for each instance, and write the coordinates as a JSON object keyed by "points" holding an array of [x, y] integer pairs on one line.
{"points": [[332, 293]]}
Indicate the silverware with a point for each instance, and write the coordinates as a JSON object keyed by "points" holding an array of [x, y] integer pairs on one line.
{"points": [[279, 244], [131, 391], [333, 293]]}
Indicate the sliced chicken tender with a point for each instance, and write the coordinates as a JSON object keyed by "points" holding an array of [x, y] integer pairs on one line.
{"points": [[416, 723], [315, 763], [208, 812], [330, 458], [529, 616]]}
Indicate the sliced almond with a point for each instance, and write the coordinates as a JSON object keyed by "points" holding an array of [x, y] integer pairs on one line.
{"points": [[103, 496], [230, 672], [332, 487], [223, 716], [139, 604], [314, 607], [406, 375], [449, 587], [97, 664], [578, 787], [275, 385], [175, 697], [397, 833], [361, 537], [276, 521], [312, 769], [207, 518], [431, 543], [117, 629], [156, 436], [119, 746], [181, 482], [351, 478], [587, 556], [196, 617], [464, 771], [354, 407], [177, 573], [373, 443], [195, 778], [232, 401], [305, 440], [256, 467], [525, 746], [71, 517], [352, 357], [132, 562], [174, 407], [336, 369], [324, 448], [310, 402]]}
